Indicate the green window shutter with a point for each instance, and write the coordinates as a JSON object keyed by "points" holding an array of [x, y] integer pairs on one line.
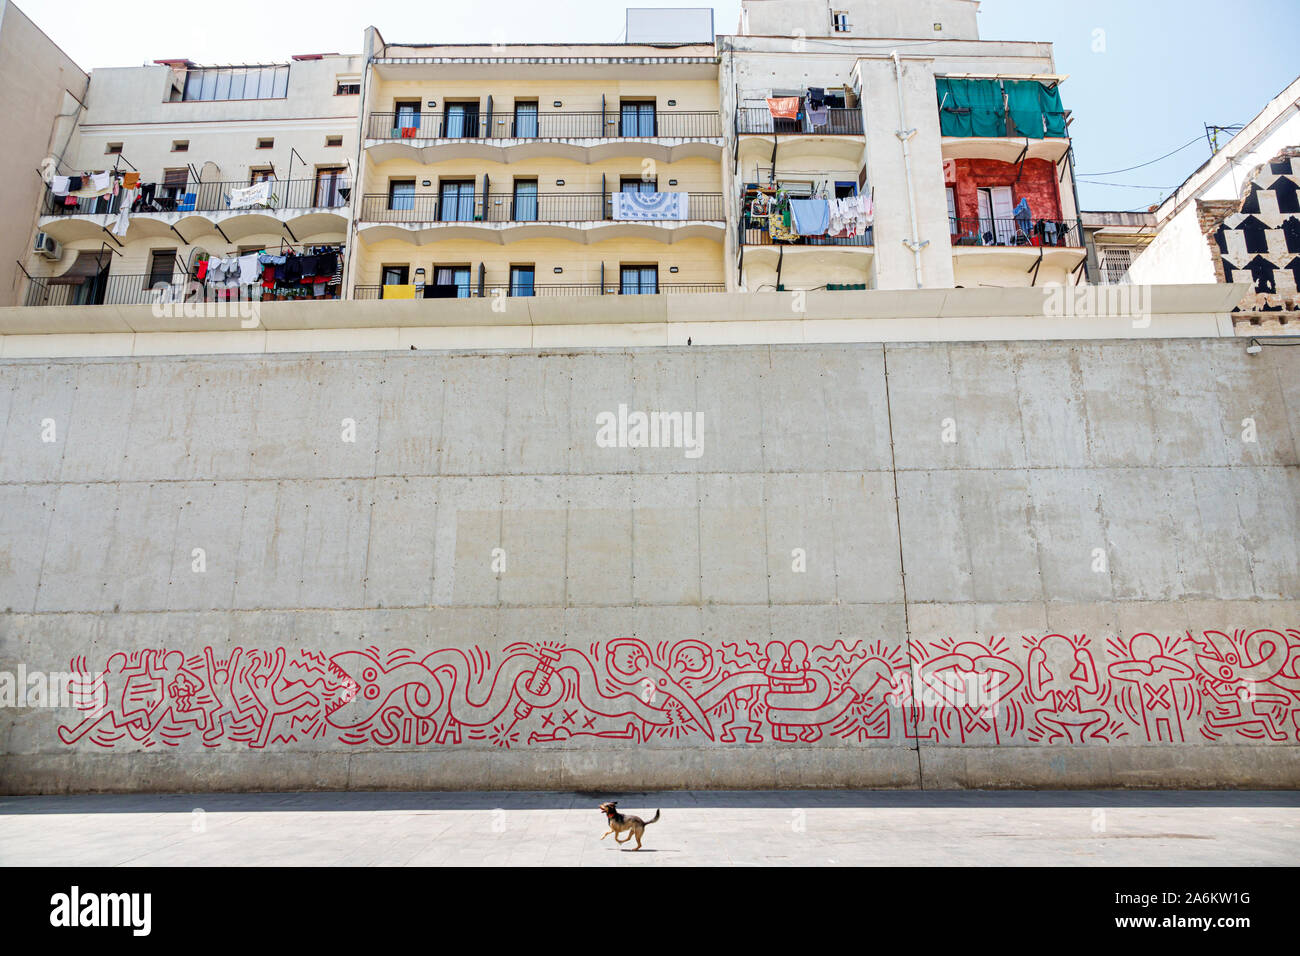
{"points": [[1025, 105]]}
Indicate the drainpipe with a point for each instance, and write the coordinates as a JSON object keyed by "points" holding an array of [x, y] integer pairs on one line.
{"points": [[905, 136]]}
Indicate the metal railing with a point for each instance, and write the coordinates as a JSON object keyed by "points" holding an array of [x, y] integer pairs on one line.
{"points": [[545, 290], [760, 236], [1023, 233], [110, 290], [611, 124], [506, 207], [840, 121], [210, 197]]}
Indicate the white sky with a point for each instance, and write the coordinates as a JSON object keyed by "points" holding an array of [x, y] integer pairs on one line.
{"points": [[96, 33]]}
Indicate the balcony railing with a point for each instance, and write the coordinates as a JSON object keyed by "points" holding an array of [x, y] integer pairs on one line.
{"points": [[506, 207], [840, 121], [611, 124], [1020, 233], [112, 290], [211, 197], [760, 236], [540, 290]]}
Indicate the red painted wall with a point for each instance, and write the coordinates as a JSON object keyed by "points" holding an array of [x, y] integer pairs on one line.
{"points": [[1038, 184]]}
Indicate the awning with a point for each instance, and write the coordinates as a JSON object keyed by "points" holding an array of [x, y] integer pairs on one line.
{"points": [[89, 263]]}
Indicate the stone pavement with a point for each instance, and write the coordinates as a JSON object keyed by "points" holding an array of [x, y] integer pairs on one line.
{"points": [[816, 828]]}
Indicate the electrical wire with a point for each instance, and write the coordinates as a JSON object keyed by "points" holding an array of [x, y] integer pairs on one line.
{"points": [[1116, 172]]}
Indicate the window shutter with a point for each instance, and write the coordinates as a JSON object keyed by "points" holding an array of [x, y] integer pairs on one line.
{"points": [[176, 177]]}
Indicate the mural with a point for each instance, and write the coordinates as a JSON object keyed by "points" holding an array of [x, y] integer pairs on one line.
{"points": [[1054, 690]]}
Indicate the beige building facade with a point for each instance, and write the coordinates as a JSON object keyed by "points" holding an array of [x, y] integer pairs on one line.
{"points": [[427, 171]]}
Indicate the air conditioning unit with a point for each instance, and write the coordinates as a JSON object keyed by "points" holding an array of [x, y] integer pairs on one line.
{"points": [[48, 247]]}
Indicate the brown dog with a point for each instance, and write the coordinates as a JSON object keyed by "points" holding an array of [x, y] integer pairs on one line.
{"points": [[619, 822]]}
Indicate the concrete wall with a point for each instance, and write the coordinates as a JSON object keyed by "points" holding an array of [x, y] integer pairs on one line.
{"points": [[475, 593]]}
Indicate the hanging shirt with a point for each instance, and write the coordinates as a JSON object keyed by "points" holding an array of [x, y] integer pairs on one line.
{"points": [[250, 270], [59, 185]]}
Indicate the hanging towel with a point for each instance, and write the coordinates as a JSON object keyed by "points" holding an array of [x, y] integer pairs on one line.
{"points": [[259, 194], [130, 180], [124, 213], [817, 115], [812, 217], [783, 107], [640, 207], [398, 292], [101, 183], [59, 185]]}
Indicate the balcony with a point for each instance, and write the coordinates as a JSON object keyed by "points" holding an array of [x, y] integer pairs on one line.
{"points": [[307, 206], [1004, 119], [666, 136], [758, 120], [110, 290], [505, 217], [979, 245], [547, 290]]}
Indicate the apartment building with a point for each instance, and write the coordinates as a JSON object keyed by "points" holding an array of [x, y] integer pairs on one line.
{"points": [[173, 165], [539, 170], [858, 145]]}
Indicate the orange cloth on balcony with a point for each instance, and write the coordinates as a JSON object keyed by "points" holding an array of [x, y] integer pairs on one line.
{"points": [[783, 107], [130, 180]]}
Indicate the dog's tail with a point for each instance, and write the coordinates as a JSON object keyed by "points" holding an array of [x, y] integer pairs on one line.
{"points": [[654, 819]]}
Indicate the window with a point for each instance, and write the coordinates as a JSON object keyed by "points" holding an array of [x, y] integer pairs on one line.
{"points": [[456, 200], [840, 21], [952, 211], [396, 275], [333, 141], [237, 83], [640, 280], [113, 149], [162, 263], [180, 145], [401, 194], [638, 118], [331, 187], [525, 207], [1115, 264], [451, 282], [256, 176], [526, 120], [347, 87], [633, 184], [266, 143], [521, 280], [461, 120]]}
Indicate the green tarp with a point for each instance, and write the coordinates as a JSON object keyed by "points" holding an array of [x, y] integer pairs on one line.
{"points": [[976, 108], [971, 108], [1026, 108], [1053, 111]]}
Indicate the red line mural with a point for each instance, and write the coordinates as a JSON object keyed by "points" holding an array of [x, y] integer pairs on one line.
{"points": [[1054, 690]]}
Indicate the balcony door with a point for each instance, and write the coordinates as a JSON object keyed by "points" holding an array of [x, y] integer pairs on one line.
{"points": [[461, 121], [638, 118], [526, 120], [451, 282], [330, 182], [640, 280], [997, 218], [456, 200], [522, 280], [408, 115], [525, 204]]}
